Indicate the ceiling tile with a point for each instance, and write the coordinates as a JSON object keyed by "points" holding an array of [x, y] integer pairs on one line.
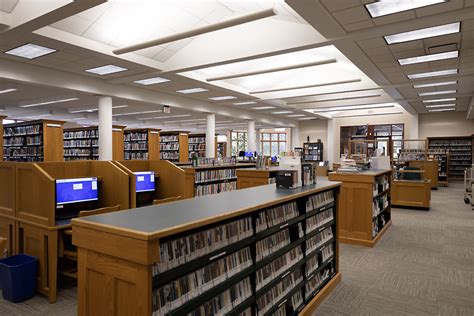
{"points": [[352, 15], [440, 8], [333, 6], [372, 43], [406, 46], [358, 26], [394, 18], [442, 40]]}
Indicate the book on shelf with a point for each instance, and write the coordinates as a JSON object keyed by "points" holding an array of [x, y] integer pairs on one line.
{"points": [[320, 219], [276, 215], [214, 175], [318, 240], [315, 281], [319, 200], [272, 243]]}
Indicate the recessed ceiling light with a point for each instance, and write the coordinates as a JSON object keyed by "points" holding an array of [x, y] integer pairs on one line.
{"points": [[192, 90], [48, 102], [296, 115], [423, 33], [7, 90], [264, 108], [245, 103], [106, 70], [433, 74], [435, 84], [150, 81], [30, 51], [440, 105], [90, 110], [282, 112], [386, 7], [222, 98], [135, 113], [424, 94], [307, 118], [439, 100], [428, 58], [442, 110]]}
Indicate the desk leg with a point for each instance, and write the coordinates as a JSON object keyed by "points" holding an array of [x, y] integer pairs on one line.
{"points": [[53, 265]]}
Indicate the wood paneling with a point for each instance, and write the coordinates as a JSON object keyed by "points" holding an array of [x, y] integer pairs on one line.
{"points": [[117, 142], [411, 193], [7, 188], [8, 231], [183, 147], [53, 142], [153, 144], [248, 178], [1, 136], [431, 170]]}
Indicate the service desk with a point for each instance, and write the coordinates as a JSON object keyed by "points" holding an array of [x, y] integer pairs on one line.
{"points": [[252, 177], [411, 193]]}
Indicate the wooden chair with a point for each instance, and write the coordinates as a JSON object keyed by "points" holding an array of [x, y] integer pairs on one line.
{"points": [[166, 200], [72, 254]]}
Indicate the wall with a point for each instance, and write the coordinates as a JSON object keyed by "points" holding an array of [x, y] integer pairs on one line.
{"points": [[445, 124]]}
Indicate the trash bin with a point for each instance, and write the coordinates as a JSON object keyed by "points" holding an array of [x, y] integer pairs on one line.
{"points": [[18, 277]]}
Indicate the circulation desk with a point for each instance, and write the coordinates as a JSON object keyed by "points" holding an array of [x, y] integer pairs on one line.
{"points": [[252, 177], [365, 205], [127, 258]]}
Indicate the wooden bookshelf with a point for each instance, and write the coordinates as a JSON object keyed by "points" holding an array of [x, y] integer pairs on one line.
{"points": [[82, 143], [142, 144], [313, 152], [197, 144], [221, 149], [174, 146], [1, 133], [206, 180], [442, 156], [362, 223], [252, 177], [460, 153], [112, 280], [40, 140]]}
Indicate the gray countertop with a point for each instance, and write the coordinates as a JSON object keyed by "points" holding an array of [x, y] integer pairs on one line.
{"points": [[369, 172], [161, 220]]}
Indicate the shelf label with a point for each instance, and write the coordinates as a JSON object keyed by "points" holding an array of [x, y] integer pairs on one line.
{"points": [[282, 303], [286, 274], [284, 225], [217, 256]]}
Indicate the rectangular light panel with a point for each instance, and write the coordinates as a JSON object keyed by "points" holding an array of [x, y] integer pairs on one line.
{"points": [[192, 90], [435, 84], [150, 81], [441, 105], [222, 98], [442, 110], [433, 74], [245, 103], [428, 58], [48, 102], [386, 7], [424, 94], [282, 112], [424, 33], [106, 70], [30, 51], [439, 100], [296, 115], [264, 108], [7, 90]]}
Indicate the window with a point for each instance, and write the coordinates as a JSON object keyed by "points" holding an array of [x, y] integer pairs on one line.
{"points": [[239, 142], [273, 143]]}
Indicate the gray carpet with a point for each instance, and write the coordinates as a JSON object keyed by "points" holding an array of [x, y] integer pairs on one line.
{"points": [[424, 265]]}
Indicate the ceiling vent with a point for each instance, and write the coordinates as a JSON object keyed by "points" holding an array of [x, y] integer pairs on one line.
{"points": [[442, 48]]}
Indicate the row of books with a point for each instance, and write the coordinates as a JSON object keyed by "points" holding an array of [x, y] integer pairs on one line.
{"points": [[169, 138], [314, 283], [24, 151], [77, 152], [276, 215], [272, 270], [319, 200], [276, 293], [170, 146], [135, 155], [226, 301], [378, 223], [379, 204], [318, 220], [381, 183], [213, 175], [182, 290], [196, 147], [197, 140], [214, 188], [136, 146], [94, 133], [135, 136], [23, 130], [179, 251], [81, 143], [169, 155], [319, 239], [70, 158], [327, 253], [272, 243], [22, 141]]}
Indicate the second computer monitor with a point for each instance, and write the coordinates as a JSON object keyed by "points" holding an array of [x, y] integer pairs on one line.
{"points": [[144, 181]]}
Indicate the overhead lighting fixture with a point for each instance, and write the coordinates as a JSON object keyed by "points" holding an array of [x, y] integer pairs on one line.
{"points": [[338, 99], [150, 81], [424, 94], [443, 110], [106, 70], [368, 114], [428, 58], [264, 108], [435, 84], [282, 112], [163, 117], [439, 100], [276, 69], [245, 103], [90, 110], [192, 90], [30, 51], [440, 105], [307, 118], [353, 108], [137, 113], [7, 90], [423, 33], [433, 74], [386, 7], [296, 115], [222, 98], [307, 86], [200, 30], [48, 102]]}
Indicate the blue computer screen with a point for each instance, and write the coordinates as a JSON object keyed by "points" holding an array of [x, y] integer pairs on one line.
{"points": [[144, 181], [76, 190], [249, 154]]}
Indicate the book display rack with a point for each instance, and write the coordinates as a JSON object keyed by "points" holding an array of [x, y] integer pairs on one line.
{"points": [[141, 144], [443, 158], [460, 153], [313, 152], [214, 260]]}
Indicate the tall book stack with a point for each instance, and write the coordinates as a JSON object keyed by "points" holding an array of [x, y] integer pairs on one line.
{"points": [[460, 153], [197, 145], [174, 146], [141, 144]]}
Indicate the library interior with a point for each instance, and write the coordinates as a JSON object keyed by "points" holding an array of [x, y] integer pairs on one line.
{"points": [[236, 157]]}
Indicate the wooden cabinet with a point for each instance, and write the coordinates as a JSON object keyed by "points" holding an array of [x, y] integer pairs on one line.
{"points": [[430, 168], [411, 193], [251, 177]]}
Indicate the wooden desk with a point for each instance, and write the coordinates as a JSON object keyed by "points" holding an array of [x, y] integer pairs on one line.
{"points": [[252, 177], [118, 251], [356, 201], [411, 193], [430, 168]]}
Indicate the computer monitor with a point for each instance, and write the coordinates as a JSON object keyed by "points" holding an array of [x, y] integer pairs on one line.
{"points": [[70, 191], [248, 154], [144, 181]]}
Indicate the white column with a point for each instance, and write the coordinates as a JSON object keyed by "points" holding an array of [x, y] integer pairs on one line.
{"points": [[105, 128], [295, 138], [258, 147], [250, 135], [413, 127], [210, 136], [331, 142], [229, 143]]}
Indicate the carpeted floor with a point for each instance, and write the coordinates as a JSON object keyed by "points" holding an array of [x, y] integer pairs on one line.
{"points": [[424, 265]]}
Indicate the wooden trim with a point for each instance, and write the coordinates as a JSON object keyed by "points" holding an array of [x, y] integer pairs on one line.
{"points": [[1, 136], [311, 306], [364, 242]]}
